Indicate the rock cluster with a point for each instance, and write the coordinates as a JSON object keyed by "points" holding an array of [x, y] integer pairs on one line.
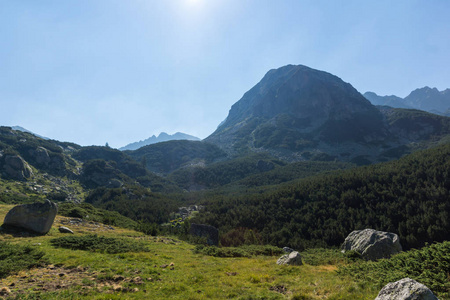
{"points": [[186, 212], [372, 244]]}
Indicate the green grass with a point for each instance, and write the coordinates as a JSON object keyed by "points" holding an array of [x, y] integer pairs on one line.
{"points": [[243, 251], [14, 258], [172, 269]]}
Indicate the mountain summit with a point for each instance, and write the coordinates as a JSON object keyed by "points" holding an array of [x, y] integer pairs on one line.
{"points": [[296, 108], [298, 113]]}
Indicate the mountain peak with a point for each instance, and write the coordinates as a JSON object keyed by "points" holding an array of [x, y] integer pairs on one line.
{"points": [[299, 91], [162, 137], [307, 104]]}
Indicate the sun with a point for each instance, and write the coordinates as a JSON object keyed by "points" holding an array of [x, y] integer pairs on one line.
{"points": [[193, 2]]}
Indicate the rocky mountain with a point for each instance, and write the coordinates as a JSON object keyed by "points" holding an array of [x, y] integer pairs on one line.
{"points": [[296, 113], [162, 137], [426, 98]]}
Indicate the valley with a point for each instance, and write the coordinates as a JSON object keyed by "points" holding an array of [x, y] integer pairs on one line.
{"points": [[301, 160]]}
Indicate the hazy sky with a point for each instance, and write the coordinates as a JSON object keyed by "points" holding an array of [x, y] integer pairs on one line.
{"points": [[119, 71]]}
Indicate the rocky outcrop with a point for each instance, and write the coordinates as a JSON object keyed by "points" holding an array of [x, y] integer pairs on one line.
{"points": [[372, 244], [293, 258], [40, 155], [16, 167], [405, 289], [37, 217], [209, 232]]}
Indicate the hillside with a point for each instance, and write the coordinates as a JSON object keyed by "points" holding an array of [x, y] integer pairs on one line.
{"points": [[408, 196], [248, 171], [166, 157]]}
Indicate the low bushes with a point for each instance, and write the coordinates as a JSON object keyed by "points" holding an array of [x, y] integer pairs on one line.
{"points": [[243, 251], [429, 265], [99, 244], [14, 258]]}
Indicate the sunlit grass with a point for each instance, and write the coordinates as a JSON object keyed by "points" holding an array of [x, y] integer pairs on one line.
{"points": [[171, 269]]}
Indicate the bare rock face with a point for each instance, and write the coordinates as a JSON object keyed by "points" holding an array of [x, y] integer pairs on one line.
{"points": [[405, 289], [372, 244], [37, 217], [40, 154], [210, 232], [17, 168], [293, 258]]}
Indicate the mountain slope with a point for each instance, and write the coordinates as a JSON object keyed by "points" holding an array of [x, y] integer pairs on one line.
{"points": [[167, 157], [26, 130], [408, 196], [162, 137]]}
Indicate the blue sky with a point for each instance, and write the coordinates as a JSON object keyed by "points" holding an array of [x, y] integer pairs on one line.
{"points": [[119, 71]]}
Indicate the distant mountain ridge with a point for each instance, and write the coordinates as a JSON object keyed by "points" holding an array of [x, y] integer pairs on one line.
{"points": [[162, 137], [26, 130], [426, 98]]}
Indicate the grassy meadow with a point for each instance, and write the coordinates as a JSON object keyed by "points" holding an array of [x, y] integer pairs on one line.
{"points": [[164, 268]]}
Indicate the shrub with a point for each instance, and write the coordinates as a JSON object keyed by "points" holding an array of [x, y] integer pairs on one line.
{"points": [[243, 251], [96, 243], [429, 265], [14, 258], [323, 256]]}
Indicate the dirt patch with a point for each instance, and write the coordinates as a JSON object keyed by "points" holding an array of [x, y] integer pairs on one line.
{"points": [[328, 268]]}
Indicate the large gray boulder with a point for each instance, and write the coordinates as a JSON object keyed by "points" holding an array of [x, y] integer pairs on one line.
{"points": [[37, 217], [293, 258], [405, 289], [372, 244]]}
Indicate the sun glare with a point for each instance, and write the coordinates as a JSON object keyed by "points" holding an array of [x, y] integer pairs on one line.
{"points": [[193, 2]]}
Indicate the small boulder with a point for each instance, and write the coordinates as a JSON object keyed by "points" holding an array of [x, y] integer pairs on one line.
{"points": [[405, 289], [64, 229], [292, 258], [372, 244], [37, 217]]}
